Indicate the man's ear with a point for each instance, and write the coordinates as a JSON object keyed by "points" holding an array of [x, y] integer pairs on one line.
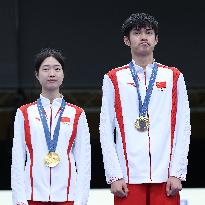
{"points": [[126, 41], [156, 40]]}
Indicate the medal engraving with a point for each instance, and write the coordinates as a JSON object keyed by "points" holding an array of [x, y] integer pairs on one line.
{"points": [[142, 123], [52, 159]]}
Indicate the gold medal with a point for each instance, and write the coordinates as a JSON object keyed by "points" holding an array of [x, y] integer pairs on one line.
{"points": [[142, 123], [52, 159]]}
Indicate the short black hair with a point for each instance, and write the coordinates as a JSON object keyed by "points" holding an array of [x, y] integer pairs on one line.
{"points": [[139, 20], [48, 52]]}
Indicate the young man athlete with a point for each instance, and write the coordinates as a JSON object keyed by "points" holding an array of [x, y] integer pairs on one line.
{"points": [[147, 104]]}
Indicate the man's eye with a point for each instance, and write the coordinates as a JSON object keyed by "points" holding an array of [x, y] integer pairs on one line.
{"points": [[136, 32], [149, 32]]}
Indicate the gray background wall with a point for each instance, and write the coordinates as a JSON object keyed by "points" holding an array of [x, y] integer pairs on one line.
{"points": [[88, 32]]}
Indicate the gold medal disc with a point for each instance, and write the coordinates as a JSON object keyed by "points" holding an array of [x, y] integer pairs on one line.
{"points": [[142, 123], [52, 159]]}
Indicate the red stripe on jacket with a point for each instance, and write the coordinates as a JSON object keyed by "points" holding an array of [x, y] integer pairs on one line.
{"points": [[118, 110], [176, 74], [72, 138], [24, 110]]}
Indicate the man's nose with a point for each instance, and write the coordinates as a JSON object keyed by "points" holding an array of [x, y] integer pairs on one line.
{"points": [[143, 36]]}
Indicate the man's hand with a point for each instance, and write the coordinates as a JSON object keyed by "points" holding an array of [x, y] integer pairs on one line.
{"points": [[119, 188], [173, 186]]}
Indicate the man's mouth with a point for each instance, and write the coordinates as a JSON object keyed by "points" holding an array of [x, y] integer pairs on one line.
{"points": [[144, 44]]}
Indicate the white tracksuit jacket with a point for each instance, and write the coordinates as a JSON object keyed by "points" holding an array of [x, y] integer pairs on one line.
{"points": [[37, 182], [154, 155]]}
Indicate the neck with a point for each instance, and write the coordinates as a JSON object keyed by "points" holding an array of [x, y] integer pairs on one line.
{"points": [[143, 61], [51, 95]]}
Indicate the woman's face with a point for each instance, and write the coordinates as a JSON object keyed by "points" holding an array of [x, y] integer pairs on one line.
{"points": [[50, 74]]}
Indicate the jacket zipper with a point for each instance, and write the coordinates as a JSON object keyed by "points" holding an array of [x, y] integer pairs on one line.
{"points": [[150, 156], [50, 167]]}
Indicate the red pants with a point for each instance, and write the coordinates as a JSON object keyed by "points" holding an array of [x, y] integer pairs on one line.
{"points": [[147, 194], [50, 203]]}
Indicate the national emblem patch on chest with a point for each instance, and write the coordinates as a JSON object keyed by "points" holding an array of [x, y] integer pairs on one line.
{"points": [[161, 85], [38, 119], [132, 84], [65, 120]]}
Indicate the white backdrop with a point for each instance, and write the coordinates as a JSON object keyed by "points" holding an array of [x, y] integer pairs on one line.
{"points": [[194, 196]]}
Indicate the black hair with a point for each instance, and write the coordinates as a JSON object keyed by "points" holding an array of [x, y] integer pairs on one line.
{"points": [[48, 52], [138, 21]]}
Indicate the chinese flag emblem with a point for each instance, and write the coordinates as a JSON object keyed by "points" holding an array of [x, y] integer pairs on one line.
{"points": [[65, 120], [161, 84]]}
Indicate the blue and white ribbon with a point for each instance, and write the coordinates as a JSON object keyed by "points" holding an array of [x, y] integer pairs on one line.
{"points": [[51, 143], [143, 107]]}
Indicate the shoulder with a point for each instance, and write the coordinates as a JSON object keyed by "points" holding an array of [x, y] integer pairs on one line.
{"points": [[172, 69], [23, 108], [78, 109], [113, 72]]}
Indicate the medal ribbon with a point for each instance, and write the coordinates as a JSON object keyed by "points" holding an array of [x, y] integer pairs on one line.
{"points": [[143, 107], [51, 143]]}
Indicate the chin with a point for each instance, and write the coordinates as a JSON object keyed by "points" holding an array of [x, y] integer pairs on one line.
{"points": [[52, 88], [143, 54]]}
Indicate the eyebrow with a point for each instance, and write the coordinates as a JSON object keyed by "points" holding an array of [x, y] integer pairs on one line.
{"points": [[56, 65], [138, 29]]}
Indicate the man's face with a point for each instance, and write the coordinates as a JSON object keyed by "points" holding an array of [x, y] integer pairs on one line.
{"points": [[141, 41], [50, 74]]}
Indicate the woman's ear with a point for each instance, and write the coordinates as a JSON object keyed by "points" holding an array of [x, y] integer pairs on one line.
{"points": [[36, 74]]}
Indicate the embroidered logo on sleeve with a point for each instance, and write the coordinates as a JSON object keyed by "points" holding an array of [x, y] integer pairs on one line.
{"points": [[65, 120], [161, 85]]}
